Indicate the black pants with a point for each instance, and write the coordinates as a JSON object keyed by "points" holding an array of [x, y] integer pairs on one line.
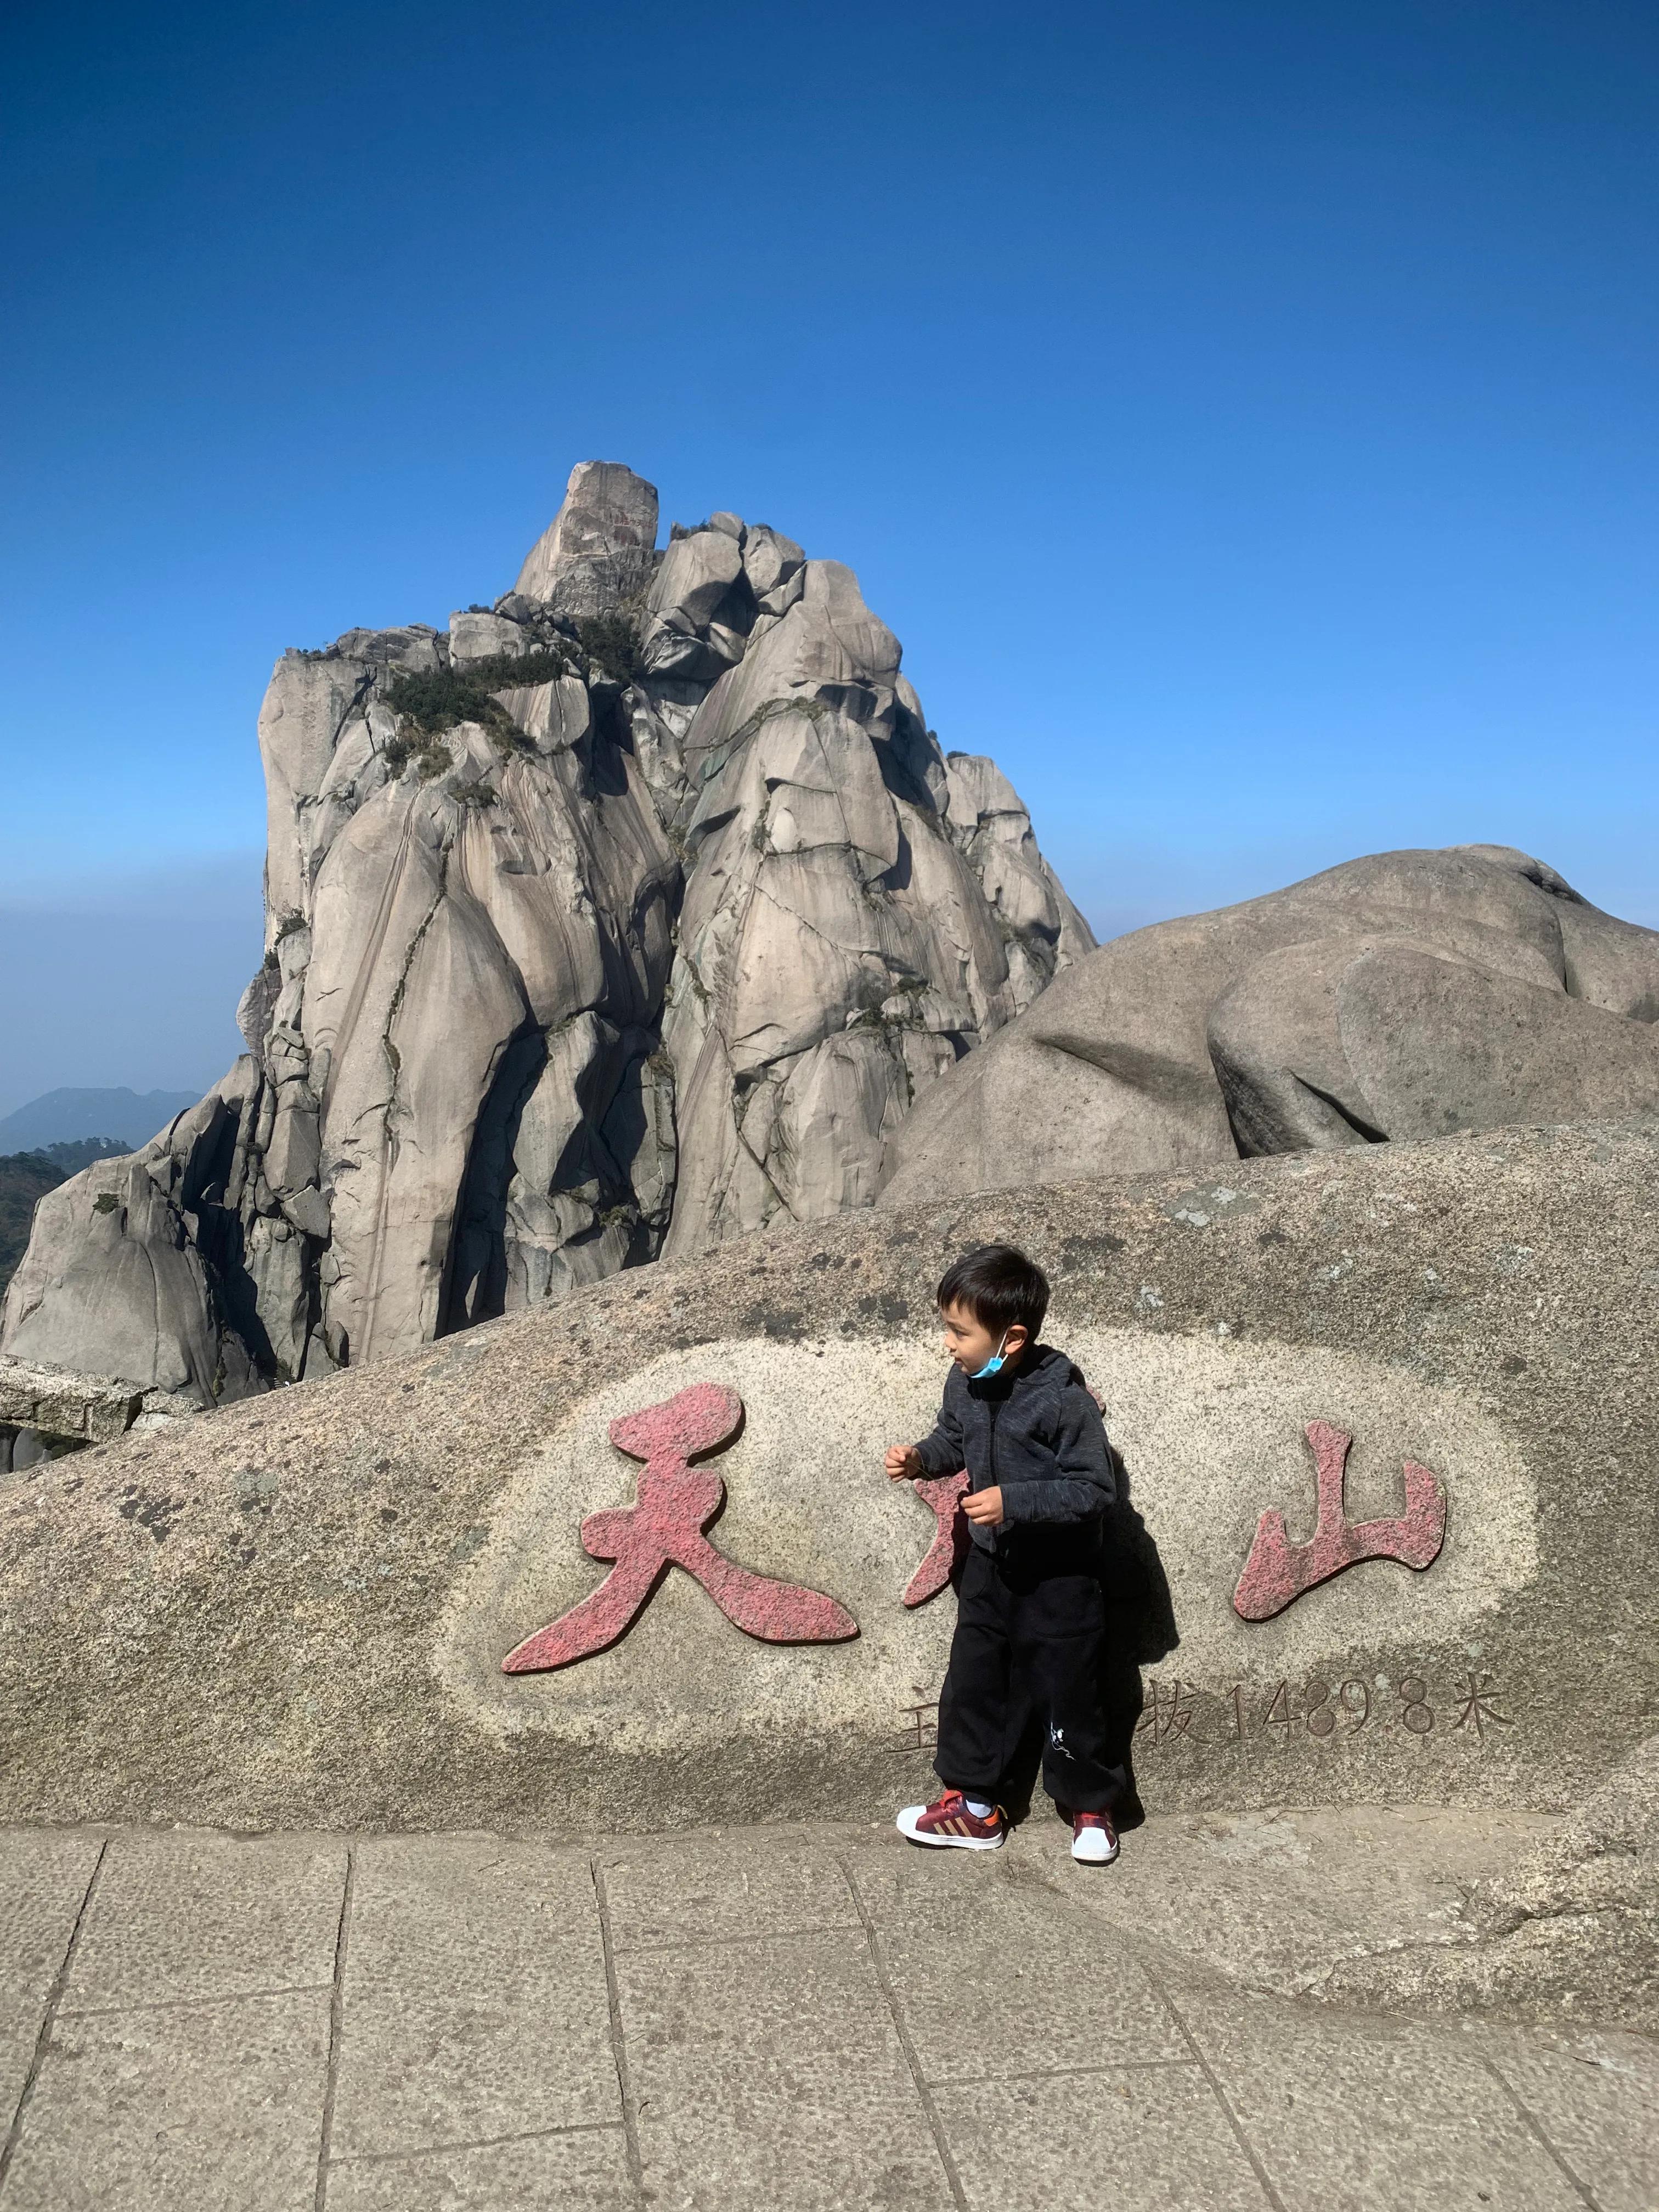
{"points": [[1031, 1643]]}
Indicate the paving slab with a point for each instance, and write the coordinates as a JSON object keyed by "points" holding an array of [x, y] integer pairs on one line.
{"points": [[1064, 1985], [176, 2107], [43, 1885], [1272, 1899], [1137, 2138], [1348, 2113], [194, 1915], [1594, 2094], [772, 2072], [709, 1888], [475, 2003], [817, 2015], [572, 2170]]}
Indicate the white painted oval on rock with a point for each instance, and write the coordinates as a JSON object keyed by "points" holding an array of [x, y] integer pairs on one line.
{"points": [[1212, 1432]]}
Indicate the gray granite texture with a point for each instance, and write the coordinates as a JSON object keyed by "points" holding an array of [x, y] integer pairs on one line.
{"points": [[1572, 1924], [293, 1611]]}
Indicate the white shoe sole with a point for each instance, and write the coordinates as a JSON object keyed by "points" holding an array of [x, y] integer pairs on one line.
{"points": [[906, 1825], [1091, 1849]]}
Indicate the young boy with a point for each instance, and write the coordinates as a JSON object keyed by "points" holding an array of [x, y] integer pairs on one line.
{"points": [[1030, 1614]]}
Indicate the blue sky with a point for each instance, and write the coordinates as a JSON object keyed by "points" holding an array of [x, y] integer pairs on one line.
{"points": [[1244, 414]]}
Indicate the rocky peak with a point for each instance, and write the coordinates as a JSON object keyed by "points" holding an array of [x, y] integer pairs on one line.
{"points": [[599, 547], [636, 911]]}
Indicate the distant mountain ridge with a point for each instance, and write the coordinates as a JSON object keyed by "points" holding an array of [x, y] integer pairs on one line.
{"points": [[130, 1117]]}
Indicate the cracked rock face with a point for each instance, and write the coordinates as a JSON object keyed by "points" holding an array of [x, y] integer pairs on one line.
{"points": [[1402, 996], [636, 911], [843, 942]]}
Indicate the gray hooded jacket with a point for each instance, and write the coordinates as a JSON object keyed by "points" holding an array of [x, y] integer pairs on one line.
{"points": [[1037, 1433]]}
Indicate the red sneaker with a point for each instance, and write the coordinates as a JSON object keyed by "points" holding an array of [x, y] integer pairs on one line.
{"points": [[949, 1825], [1094, 1839]]}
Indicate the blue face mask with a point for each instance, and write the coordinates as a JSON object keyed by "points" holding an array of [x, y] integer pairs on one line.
{"points": [[992, 1365]]}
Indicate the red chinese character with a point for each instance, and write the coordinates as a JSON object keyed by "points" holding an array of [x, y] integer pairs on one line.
{"points": [[664, 1528], [944, 1494], [1277, 1571]]}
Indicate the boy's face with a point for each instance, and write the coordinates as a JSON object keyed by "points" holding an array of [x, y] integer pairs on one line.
{"points": [[971, 1343]]}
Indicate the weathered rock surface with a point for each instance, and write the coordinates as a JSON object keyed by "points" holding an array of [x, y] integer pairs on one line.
{"points": [[80, 1408], [640, 906], [1571, 1927], [839, 950], [125, 1272], [598, 547], [1403, 996], [293, 1610]]}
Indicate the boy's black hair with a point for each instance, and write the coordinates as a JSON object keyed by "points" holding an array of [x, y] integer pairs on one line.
{"points": [[1000, 1287]]}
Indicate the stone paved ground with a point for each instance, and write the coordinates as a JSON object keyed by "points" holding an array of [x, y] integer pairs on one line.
{"points": [[781, 2018]]}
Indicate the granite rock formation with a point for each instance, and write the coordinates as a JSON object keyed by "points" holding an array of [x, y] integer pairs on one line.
{"points": [[294, 1612], [1401, 996], [634, 911], [25, 1179]]}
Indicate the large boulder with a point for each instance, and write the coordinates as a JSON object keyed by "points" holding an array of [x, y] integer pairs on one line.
{"points": [[295, 1610], [1403, 996], [131, 1261], [617, 908]]}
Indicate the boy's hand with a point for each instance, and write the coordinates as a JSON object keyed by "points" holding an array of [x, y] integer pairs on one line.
{"points": [[984, 1506], [902, 1461]]}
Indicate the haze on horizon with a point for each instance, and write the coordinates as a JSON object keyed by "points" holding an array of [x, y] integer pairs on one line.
{"points": [[1245, 417]]}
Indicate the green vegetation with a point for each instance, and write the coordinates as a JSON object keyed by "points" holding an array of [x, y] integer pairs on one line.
{"points": [[429, 704], [78, 1153], [446, 698], [431, 758], [613, 641]]}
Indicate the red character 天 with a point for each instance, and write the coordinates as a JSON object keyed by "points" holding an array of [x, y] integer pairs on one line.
{"points": [[664, 1528]]}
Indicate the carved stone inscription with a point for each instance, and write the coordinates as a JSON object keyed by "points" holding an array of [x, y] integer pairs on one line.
{"points": [[921, 1728], [662, 1528], [1212, 1432], [1180, 1710], [1278, 1572]]}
